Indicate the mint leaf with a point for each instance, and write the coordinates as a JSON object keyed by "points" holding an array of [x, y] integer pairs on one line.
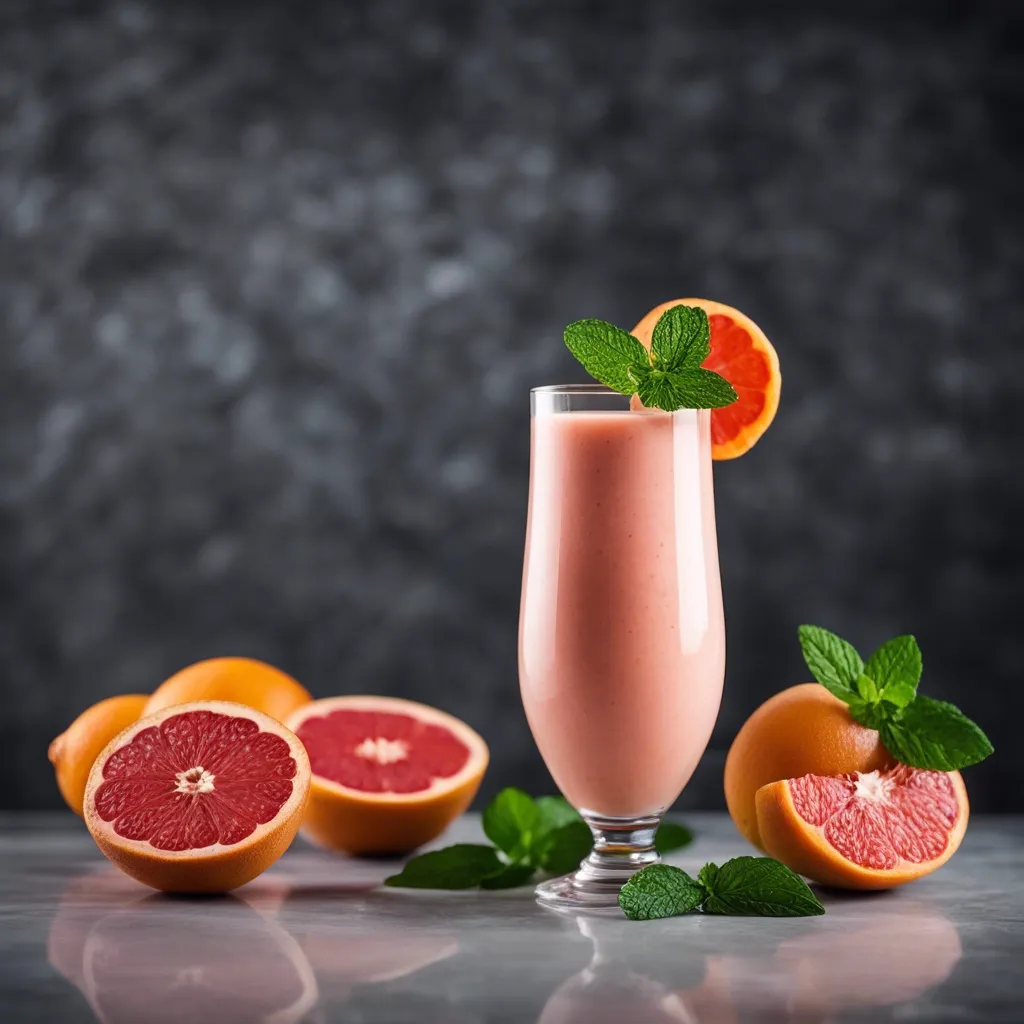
{"points": [[671, 836], [463, 866], [509, 877], [683, 389], [896, 668], [510, 821], [707, 876], [553, 811], [659, 891], [870, 715], [606, 352], [563, 848], [681, 338], [832, 661], [866, 688], [757, 887], [934, 735]]}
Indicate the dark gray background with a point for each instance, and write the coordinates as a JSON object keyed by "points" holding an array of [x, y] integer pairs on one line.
{"points": [[275, 280]]}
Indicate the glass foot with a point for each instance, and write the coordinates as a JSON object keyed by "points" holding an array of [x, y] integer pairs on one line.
{"points": [[622, 846]]}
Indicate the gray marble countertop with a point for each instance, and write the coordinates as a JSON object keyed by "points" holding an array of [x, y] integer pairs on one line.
{"points": [[315, 939]]}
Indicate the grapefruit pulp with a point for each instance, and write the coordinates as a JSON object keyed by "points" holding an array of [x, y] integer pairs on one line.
{"points": [[72, 753], [200, 797], [388, 774], [866, 830], [742, 354], [243, 680]]}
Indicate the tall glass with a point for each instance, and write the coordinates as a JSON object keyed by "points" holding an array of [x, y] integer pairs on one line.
{"points": [[621, 631]]}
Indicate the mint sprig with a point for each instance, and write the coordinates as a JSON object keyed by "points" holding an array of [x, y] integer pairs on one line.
{"points": [[743, 886], [670, 376], [882, 694], [529, 836]]}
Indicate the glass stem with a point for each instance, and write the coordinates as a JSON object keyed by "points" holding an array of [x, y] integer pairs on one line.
{"points": [[622, 846]]}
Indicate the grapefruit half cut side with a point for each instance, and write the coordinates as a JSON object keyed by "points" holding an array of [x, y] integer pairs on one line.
{"points": [[388, 774], [200, 797], [742, 354], [872, 830]]}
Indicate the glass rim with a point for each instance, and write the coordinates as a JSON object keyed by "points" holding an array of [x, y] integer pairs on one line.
{"points": [[576, 389]]}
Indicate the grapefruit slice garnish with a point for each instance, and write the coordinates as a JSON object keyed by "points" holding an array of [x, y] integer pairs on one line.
{"points": [[742, 354], [388, 774], [201, 797], [871, 830]]}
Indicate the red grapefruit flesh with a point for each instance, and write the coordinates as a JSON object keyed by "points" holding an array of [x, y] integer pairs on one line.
{"points": [[872, 830], [388, 774], [199, 797]]}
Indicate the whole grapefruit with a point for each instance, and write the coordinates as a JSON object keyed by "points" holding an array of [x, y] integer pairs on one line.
{"points": [[74, 750], [240, 680], [801, 731]]}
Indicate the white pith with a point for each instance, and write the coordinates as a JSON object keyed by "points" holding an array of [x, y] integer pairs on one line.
{"points": [[195, 780], [382, 750], [872, 787]]}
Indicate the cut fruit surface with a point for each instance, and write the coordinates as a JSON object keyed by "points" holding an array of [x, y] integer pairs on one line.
{"points": [[742, 354], [871, 830], [200, 797], [388, 774]]}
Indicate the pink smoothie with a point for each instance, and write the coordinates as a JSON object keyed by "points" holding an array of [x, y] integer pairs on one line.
{"points": [[621, 633]]}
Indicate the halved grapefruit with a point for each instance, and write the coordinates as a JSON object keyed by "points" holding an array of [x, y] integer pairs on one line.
{"points": [[388, 774], [200, 797], [872, 830], [742, 354]]}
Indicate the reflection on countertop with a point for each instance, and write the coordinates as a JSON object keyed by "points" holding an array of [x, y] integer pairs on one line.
{"points": [[318, 939]]}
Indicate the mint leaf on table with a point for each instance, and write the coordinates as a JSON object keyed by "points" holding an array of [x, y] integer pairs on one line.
{"points": [[606, 352], [659, 891], [463, 866], [832, 661], [935, 735], [562, 849], [510, 877], [757, 887], [681, 338], [510, 821], [896, 670], [671, 836], [683, 389]]}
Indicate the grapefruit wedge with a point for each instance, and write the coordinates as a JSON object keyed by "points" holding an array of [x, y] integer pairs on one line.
{"points": [[388, 774], [200, 797], [872, 830], [742, 354]]}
